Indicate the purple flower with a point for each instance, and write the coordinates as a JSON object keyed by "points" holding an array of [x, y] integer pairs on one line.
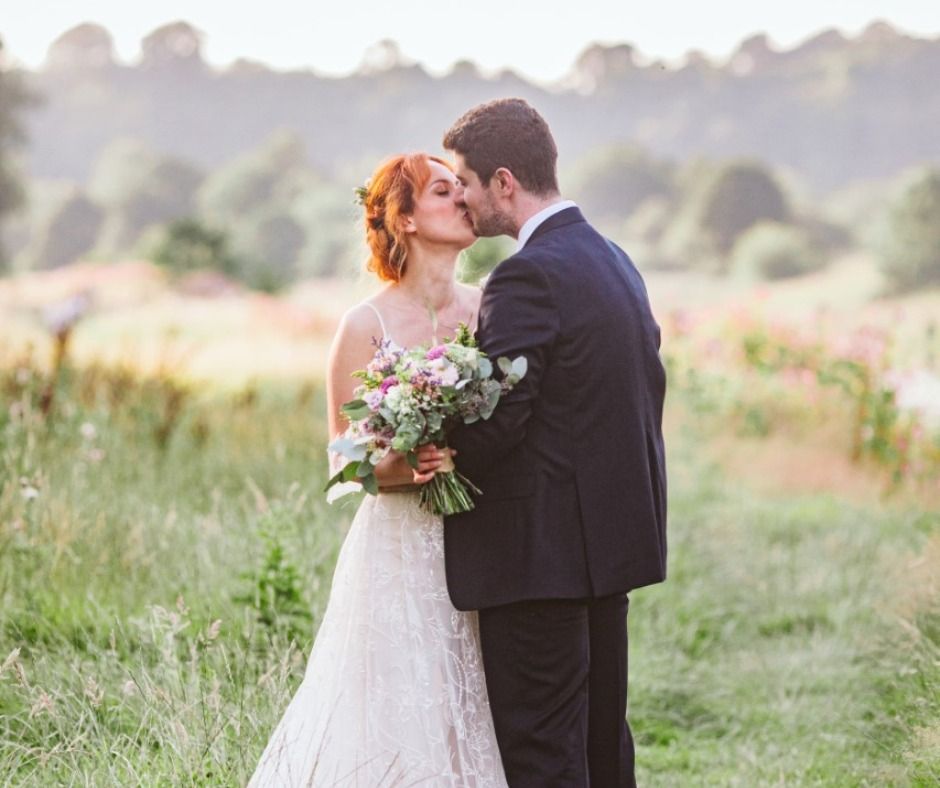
{"points": [[435, 352], [388, 383]]}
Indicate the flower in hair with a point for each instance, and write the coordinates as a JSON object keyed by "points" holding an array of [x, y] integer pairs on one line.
{"points": [[362, 192]]}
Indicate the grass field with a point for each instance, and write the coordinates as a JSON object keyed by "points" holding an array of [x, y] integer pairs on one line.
{"points": [[165, 556]]}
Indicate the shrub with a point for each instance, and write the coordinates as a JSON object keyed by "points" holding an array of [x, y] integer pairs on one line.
{"points": [[770, 250], [188, 245], [910, 256]]}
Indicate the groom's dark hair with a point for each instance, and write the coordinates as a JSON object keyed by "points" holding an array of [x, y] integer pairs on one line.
{"points": [[507, 133]]}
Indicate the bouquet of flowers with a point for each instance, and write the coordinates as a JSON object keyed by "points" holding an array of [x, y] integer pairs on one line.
{"points": [[412, 397]]}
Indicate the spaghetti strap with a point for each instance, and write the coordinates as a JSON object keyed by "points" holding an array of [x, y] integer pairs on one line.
{"points": [[378, 314]]}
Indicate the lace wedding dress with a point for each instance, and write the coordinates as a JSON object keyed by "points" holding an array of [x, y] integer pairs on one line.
{"points": [[394, 692]]}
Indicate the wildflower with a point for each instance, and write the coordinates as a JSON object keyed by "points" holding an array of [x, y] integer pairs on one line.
{"points": [[43, 704], [213, 631], [93, 692], [12, 659]]}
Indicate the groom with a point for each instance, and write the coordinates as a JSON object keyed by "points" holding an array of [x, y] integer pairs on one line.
{"points": [[571, 464]]}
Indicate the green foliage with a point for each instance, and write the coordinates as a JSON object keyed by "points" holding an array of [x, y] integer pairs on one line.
{"points": [[138, 189], [716, 205], [269, 242], [282, 218], [188, 245], [769, 250], [267, 176], [275, 587], [911, 255], [67, 230], [740, 195], [612, 182], [332, 226], [481, 258], [14, 98]]}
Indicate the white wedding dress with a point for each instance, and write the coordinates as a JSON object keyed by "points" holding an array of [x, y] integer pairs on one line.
{"points": [[394, 692]]}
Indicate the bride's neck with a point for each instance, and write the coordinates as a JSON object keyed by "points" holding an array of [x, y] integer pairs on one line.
{"points": [[429, 278]]}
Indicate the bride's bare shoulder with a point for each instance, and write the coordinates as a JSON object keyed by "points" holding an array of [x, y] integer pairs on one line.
{"points": [[358, 325]]}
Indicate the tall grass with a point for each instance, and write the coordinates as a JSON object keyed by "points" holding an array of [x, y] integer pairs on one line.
{"points": [[165, 557]]}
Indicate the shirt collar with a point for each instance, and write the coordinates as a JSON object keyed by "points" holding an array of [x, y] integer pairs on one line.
{"points": [[525, 232]]}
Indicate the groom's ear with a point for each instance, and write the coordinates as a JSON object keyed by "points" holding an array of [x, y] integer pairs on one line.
{"points": [[503, 182]]}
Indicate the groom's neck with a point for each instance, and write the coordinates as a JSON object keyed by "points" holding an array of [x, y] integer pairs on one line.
{"points": [[530, 204]]}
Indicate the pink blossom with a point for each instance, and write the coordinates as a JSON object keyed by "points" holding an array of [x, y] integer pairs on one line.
{"points": [[388, 383], [435, 352]]}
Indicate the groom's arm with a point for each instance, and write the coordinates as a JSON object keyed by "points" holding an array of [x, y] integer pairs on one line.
{"points": [[518, 317]]}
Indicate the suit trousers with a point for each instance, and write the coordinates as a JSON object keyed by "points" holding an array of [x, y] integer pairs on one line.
{"points": [[556, 675]]}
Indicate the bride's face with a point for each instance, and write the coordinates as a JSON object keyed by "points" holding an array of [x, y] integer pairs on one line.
{"points": [[437, 218]]}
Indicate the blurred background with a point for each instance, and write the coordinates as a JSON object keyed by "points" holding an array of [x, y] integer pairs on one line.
{"points": [[178, 239]]}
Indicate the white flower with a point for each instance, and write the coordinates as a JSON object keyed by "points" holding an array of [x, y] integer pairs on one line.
{"points": [[918, 391], [379, 453], [445, 371]]}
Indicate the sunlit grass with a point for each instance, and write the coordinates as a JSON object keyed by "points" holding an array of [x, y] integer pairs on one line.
{"points": [[166, 553]]}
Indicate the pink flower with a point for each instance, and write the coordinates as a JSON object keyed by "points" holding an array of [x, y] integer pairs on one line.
{"points": [[388, 383], [435, 352]]}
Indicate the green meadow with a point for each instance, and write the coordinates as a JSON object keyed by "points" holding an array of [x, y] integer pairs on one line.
{"points": [[166, 556]]}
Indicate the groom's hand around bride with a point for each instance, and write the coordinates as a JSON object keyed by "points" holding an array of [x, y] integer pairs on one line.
{"points": [[394, 470]]}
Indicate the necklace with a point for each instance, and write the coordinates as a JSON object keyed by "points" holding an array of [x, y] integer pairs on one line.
{"points": [[426, 307], [433, 314]]}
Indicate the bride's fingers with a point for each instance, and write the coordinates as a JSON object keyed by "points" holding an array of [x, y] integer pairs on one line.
{"points": [[423, 478]]}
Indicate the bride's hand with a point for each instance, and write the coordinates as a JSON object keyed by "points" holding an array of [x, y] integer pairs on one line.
{"points": [[394, 469]]}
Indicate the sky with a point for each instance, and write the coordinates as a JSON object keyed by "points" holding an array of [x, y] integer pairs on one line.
{"points": [[539, 39]]}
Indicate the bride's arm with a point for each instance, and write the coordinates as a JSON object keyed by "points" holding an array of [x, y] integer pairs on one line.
{"points": [[352, 349]]}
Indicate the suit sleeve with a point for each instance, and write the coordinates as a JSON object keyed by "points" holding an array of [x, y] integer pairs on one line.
{"points": [[518, 317]]}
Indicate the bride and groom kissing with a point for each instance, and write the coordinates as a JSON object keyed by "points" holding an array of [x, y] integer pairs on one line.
{"points": [[489, 648]]}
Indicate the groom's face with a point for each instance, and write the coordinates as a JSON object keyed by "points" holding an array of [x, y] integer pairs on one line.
{"points": [[480, 202]]}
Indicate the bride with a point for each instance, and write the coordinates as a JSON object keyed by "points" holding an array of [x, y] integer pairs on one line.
{"points": [[394, 692]]}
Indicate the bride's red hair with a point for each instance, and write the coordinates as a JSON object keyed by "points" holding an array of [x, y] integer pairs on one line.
{"points": [[390, 196]]}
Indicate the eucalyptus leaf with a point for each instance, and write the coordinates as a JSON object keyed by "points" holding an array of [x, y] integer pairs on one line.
{"points": [[356, 410], [370, 484], [354, 404], [519, 367], [505, 365], [486, 367], [334, 480]]}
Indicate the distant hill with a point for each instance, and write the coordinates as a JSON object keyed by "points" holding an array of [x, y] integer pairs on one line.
{"points": [[833, 109]]}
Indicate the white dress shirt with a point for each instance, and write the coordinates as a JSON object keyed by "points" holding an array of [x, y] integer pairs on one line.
{"points": [[525, 232]]}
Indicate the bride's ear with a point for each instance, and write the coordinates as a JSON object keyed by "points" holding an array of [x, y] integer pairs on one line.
{"points": [[408, 224]]}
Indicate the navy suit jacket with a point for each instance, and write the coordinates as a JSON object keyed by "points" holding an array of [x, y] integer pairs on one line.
{"points": [[571, 464]]}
